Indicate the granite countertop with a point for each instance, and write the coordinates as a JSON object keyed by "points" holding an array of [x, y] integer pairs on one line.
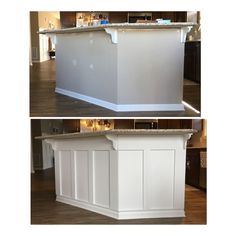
{"points": [[119, 25], [196, 147], [120, 132], [193, 41]]}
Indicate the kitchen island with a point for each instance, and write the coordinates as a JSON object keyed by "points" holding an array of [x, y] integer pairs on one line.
{"points": [[124, 174], [123, 67]]}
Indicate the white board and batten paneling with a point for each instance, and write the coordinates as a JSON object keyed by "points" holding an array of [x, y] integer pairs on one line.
{"points": [[121, 175]]}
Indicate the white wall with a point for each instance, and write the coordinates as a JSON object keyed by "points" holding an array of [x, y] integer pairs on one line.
{"points": [[41, 21]]}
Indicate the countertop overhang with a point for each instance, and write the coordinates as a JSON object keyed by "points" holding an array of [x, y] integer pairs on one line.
{"points": [[119, 132], [176, 25]]}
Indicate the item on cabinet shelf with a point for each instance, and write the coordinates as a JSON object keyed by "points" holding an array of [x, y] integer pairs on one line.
{"points": [[161, 21], [79, 21]]}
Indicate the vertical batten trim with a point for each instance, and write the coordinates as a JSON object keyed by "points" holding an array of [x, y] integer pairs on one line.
{"points": [[174, 180], [143, 176], [60, 181], [109, 179], [75, 175], [93, 179]]}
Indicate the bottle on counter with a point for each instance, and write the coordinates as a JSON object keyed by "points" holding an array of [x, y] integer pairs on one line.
{"points": [[104, 20], [79, 21]]}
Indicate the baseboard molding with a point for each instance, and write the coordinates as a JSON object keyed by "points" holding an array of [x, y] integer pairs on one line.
{"points": [[88, 206], [122, 215], [122, 107]]}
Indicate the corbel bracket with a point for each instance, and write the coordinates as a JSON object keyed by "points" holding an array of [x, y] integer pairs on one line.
{"points": [[186, 138], [113, 139], [113, 33], [183, 33], [52, 143]]}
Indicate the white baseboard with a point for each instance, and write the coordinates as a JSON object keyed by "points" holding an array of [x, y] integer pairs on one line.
{"points": [[119, 215], [88, 206], [122, 107]]}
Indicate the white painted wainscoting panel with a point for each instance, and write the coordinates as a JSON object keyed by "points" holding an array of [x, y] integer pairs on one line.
{"points": [[180, 165], [122, 176], [114, 180], [81, 163], [130, 180], [158, 142], [159, 179], [65, 172], [101, 180]]}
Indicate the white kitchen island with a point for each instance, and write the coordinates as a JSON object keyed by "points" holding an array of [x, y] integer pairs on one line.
{"points": [[123, 67], [124, 174]]}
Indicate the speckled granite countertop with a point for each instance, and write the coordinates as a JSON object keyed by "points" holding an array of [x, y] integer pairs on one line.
{"points": [[196, 147], [120, 132], [119, 25]]}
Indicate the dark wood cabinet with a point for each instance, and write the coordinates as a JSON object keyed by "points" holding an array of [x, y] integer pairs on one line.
{"points": [[174, 124], [68, 19], [123, 124], [118, 17], [70, 126], [176, 16], [194, 172], [180, 16], [192, 167], [192, 61]]}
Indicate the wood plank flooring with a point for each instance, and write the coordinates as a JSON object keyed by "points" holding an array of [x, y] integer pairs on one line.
{"points": [[45, 210], [44, 102]]}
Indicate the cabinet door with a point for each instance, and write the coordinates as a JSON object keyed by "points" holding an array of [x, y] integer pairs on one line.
{"points": [[68, 19], [70, 126], [123, 124], [192, 61], [181, 16], [118, 17], [193, 167], [174, 124]]}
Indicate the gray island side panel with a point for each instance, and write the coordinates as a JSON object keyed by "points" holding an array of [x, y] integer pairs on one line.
{"points": [[86, 63], [150, 66]]}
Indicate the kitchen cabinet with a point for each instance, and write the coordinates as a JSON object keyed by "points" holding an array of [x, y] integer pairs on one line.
{"points": [[174, 124], [192, 61], [193, 168], [123, 124], [68, 19], [177, 16], [118, 17], [70, 126]]}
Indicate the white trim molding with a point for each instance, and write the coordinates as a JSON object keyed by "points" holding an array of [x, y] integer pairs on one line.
{"points": [[122, 107]]}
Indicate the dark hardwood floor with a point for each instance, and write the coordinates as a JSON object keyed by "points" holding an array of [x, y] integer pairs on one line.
{"points": [[44, 102], [45, 210]]}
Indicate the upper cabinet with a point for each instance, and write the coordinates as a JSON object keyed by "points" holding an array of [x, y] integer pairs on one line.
{"points": [[118, 17], [174, 16], [175, 124], [68, 19]]}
